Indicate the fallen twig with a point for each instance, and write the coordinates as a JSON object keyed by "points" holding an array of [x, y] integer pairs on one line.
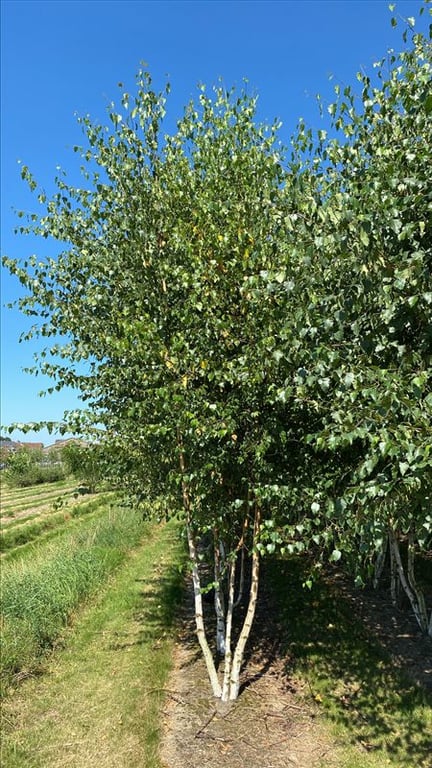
{"points": [[203, 727]]}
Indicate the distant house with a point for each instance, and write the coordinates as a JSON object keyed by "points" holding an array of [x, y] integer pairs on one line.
{"points": [[17, 445], [8, 445], [59, 444]]}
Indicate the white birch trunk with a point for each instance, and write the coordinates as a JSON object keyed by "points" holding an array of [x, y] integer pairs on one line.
{"points": [[228, 636], [241, 581], [413, 583], [380, 562], [219, 600], [234, 685], [412, 597], [199, 618]]}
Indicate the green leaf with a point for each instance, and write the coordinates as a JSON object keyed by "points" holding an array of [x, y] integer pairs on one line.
{"points": [[364, 237]]}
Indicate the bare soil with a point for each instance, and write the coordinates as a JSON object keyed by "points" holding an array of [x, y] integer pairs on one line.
{"points": [[395, 628], [267, 727], [275, 723]]}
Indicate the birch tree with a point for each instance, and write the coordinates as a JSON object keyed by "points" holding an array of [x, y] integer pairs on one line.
{"points": [[359, 346], [160, 336]]}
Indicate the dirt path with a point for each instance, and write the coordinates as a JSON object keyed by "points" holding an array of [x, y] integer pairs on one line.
{"points": [[267, 727]]}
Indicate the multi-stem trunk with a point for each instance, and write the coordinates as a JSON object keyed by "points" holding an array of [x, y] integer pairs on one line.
{"points": [[234, 682], [233, 661], [421, 603], [415, 598], [199, 616]]}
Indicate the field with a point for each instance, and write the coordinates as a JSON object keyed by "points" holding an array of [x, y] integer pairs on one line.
{"points": [[93, 601], [76, 566], [30, 514]]}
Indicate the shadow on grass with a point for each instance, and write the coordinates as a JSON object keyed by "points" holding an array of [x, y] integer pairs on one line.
{"points": [[161, 602], [347, 669]]}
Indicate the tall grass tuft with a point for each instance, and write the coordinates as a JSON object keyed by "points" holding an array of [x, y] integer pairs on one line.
{"points": [[39, 595]]}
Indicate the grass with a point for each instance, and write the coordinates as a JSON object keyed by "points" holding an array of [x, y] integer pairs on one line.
{"points": [[30, 549], [29, 529], [22, 497], [40, 593], [8, 491], [99, 702], [16, 496], [368, 701]]}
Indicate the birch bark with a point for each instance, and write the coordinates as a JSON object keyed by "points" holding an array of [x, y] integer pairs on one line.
{"points": [[413, 583], [228, 637], [411, 594], [250, 613], [380, 562], [219, 600], [199, 617]]}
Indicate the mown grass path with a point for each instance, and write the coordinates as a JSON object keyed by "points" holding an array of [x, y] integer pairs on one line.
{"points": [[99, 698]]}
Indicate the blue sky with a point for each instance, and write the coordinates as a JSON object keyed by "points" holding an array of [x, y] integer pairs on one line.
{"points": [[65, 57]]}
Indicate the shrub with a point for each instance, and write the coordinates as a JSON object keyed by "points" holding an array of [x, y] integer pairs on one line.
{"points": [[29, 467]]}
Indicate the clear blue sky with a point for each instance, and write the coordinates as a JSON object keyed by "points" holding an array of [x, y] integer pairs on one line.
{"points": [[62, 57]]}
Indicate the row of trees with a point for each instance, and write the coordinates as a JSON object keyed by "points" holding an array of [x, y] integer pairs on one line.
{"points": [[26, 467], [31, 466], [250, 326]]}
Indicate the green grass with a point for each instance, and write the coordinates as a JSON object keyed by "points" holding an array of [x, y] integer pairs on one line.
{"points": [[16, 496], [12, 509], [32, 528], [369, 702], [40, 593], [30, 549], [9, 490], [100, 698], [36, 498]]}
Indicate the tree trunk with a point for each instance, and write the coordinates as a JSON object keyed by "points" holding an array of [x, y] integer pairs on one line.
{"points": [[380, 562], [393, 576], [234, 686], [219, 599], [228, 638], [411, 594], [413, 583], [199, 617], [241, 547]]}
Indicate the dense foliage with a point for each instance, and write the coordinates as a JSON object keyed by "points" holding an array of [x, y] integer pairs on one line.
{"points": [[85, 462], [250, 326], [26, 467]]}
